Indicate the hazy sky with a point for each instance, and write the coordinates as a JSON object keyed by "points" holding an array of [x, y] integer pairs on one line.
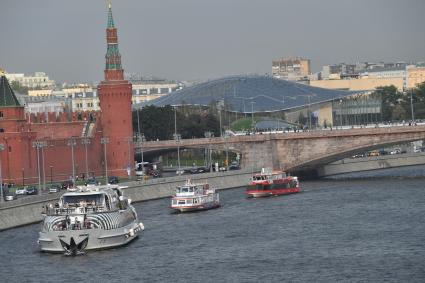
{"points": [[205, 39]]}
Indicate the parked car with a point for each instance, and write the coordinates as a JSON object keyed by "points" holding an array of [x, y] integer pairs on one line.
{"points": [[234, 166], [113, 180], [9, 197], [54, 189], [32, 190], [21, 191]]}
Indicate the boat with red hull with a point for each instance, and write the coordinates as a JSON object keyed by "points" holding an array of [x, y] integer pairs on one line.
{"points": [[272, 183]]}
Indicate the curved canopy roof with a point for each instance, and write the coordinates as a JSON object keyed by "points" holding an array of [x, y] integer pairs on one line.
{"points": [[249, 93]]}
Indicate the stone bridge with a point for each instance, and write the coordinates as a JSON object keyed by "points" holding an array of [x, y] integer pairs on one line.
{"points": [[299, 151]]}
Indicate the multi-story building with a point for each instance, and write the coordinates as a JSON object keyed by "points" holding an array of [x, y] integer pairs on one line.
{"points": [[295, 68], [337, 71], [40, 92], [85, 101], [148, 90], [38, 80], [387, 72], [415, 76]]}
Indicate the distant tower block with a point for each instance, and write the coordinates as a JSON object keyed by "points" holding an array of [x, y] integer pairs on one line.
{"points": [[115, 104]]}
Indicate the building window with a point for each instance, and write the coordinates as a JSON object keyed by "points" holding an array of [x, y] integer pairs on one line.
{"points": [[1, 114]]}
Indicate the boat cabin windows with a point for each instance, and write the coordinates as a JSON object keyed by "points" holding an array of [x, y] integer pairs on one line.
{"points": [[259, 178], [186, 189], [82, 200]]}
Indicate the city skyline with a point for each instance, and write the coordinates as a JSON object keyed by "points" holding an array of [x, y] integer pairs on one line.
{"points": [[189, 40]]}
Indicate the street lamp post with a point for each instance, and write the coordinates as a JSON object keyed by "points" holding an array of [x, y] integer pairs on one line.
{"points": [[227, 152], [209, 135], [43, 166], [252, 113], [105, 141], [309, 113], [86, 142], [138, 122], [142, 139], [219, 114], [1, 176], [39, 145], [411, 106], [177, 138], [51, 174], [220, 106], [72, 142], [23, 177], [129, 140]]}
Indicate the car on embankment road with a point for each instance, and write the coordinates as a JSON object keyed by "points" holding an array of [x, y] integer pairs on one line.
{"points": [[54, 189], [10, 197], [21, 191], [32, 190]]}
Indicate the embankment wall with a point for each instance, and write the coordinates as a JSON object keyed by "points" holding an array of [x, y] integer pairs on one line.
{"points": [[27, 210]]}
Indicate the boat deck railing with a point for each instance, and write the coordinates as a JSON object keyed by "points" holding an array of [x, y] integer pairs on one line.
{"points": [[67, 226], [52, 210]]}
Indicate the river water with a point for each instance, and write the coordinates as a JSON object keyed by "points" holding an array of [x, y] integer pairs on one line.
{"points": [[365, 227]]}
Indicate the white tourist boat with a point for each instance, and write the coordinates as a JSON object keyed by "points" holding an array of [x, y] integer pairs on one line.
{"points": [[193, 197], [90, 218]]}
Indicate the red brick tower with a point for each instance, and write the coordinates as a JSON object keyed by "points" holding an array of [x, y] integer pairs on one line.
{"points": [[15, 136], [115, 104]]}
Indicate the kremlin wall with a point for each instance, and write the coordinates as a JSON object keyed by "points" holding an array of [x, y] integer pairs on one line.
{"points": [[47, 144]]}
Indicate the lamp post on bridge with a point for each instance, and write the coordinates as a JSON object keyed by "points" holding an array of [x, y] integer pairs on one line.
{"points": [[105, 141], [411, 106]]}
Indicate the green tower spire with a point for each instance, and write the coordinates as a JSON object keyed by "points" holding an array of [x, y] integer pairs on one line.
{"points": [[110, 18], [7, 96]]}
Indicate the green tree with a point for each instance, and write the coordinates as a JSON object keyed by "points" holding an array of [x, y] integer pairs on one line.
{"points": [[418, 97], [390, 97], [158, 122]]}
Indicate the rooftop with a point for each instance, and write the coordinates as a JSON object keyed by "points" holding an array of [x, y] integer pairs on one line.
{"points": [[7, 96], [249, 93]]}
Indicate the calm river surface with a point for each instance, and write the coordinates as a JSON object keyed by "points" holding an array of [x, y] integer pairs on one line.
{"points": [[367, 227]]}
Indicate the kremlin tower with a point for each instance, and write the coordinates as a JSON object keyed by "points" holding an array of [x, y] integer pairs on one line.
{"points": [[115, 103]]}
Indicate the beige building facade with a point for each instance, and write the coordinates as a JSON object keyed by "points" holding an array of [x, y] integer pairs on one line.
{"points": [[415, 76], [362, 84]]}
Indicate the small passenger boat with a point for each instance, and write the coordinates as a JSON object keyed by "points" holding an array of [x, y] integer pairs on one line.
{"points": [[193, 197], [90, 218], [272, 183]]}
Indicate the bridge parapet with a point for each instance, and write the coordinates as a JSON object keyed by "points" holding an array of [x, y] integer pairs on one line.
{"points": [[295, 150]]}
